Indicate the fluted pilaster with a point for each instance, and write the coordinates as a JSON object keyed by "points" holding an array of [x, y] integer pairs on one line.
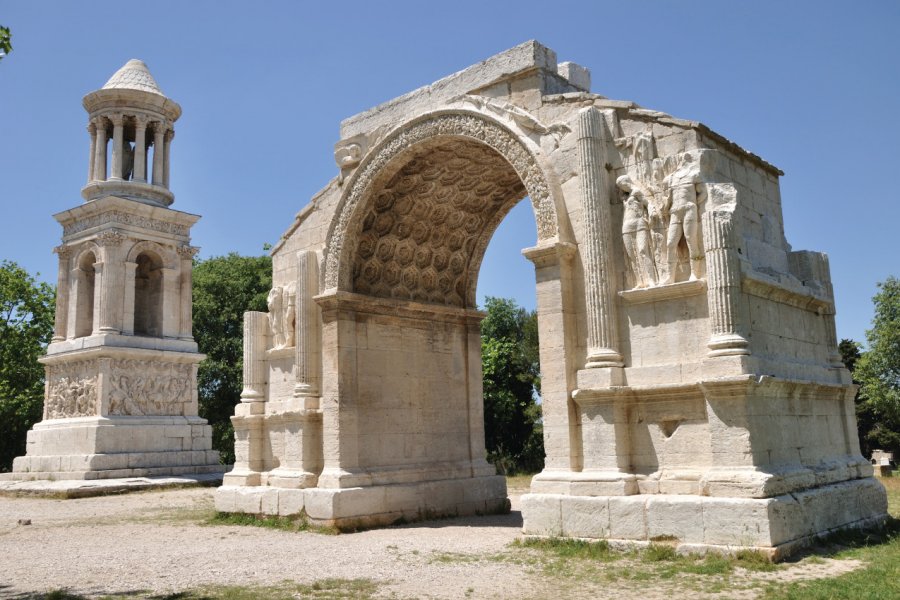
{"points": [[62, 294], [256, 330], [307, 336], [724, 283], [596, 243]]}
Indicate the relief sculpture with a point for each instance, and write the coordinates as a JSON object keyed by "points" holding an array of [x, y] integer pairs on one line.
{"points": [[282, 304], [71, 391], [662, 199], [140, 387]]}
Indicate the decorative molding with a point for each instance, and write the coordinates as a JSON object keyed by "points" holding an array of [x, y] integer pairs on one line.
{"points": [[123, 218], [683, 289], [757, 284]]}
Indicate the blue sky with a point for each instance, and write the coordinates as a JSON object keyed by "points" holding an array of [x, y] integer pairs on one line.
{"points": [[812, 87]]}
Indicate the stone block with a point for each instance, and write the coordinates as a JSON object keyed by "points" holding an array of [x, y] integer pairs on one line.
{"points": [[290, 502], [542, 514], [628, 518], [736, 522], [585, 517], [678, 517]]}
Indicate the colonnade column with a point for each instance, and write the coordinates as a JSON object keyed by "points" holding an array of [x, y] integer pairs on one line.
{"points": [[118, 122], [187, 269], [62, 294], [140, 149], [92, 129], [100, 149], [170, 134], [158, 152], [128, 304], [596, 244], [109, 315], [307, 336]]}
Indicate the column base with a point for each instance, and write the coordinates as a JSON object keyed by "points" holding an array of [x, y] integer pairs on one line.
{"points": [[372, 506], [777, 526]]}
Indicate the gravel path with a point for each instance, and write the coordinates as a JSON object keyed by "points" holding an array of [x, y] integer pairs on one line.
{"points": [[155, 541]]}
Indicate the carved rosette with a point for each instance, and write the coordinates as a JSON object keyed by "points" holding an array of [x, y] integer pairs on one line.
{"points": [[724, 282], [146, 387], [596, 246], [72, 390], [456, 124]]}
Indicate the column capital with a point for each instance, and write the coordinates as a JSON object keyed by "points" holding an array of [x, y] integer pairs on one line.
{"points": [[118, 120], [187, 252], [141, 121], [159, 127], [63, 251], [111, 237], [92, 127], [170, 134], [100, 123]]}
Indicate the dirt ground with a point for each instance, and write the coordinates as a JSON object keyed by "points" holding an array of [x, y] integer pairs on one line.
{"points": [[161, 542]]}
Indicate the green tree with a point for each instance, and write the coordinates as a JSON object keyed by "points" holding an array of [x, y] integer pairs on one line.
{"points": [[26, 324], [224, 288], [5, 41], [511, 372], [878, 369], [851, 352]]}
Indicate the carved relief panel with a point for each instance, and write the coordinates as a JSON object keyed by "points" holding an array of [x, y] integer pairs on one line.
{"points": [[143, 387], [72, 390]]}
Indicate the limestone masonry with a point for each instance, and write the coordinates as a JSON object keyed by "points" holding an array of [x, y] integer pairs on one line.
{"points": [[121, 369], [691, 385]]}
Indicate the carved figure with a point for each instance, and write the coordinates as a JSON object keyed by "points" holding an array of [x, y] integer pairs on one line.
{"points": [[636, 233], [127, 161], [275, 302], [682, 196], [290, 313]]}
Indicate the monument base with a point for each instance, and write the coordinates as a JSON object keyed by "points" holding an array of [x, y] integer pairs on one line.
{"points": [[776, 526], [371, 506], [117, 447]]}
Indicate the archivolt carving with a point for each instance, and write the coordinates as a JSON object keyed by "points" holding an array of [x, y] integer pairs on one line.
{"points": [[143, 387], [457, 124], [72, 390], [423, 235], [166, 254]]}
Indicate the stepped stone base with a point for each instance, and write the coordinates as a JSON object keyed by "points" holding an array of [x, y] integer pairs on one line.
{"points": [[92, 448], [775, 526], [80, 488], [352, 508]]}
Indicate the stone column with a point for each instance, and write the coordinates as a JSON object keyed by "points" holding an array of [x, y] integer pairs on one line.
{"points": [[62, 294], [158, 152], [92, 129], [256, 332], [109, 315], [724, 281], [602, 333], [100, 150], [118, 122], [187, 269], [171, 305], [170, 135], [308, 345], [99, 283], [128, 302], [140, 148]]}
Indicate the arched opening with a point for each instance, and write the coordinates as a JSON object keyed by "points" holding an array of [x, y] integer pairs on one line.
{"points": [[148, 295], [425, 224], [85, 276]]}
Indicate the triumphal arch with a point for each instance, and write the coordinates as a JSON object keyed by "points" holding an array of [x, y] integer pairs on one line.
{"points": [[691, 385]]}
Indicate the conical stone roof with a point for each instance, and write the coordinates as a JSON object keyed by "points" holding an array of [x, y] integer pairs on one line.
{"points": [[133, 76]]}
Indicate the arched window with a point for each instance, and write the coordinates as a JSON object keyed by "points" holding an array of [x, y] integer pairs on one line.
{"points": [[148, 295], [84, 295]]}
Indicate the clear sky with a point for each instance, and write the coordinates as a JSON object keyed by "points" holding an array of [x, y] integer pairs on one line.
{"points": [[812, 87]]}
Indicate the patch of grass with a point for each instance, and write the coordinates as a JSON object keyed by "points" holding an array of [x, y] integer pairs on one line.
{"points": [[299, 523], [453, 557], [324, 589], [657, 552], [570, 548]]}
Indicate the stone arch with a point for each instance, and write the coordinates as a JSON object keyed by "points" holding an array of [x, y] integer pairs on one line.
{"points": [[413, 141], [168, 256], [148, 294], [85, 289]]}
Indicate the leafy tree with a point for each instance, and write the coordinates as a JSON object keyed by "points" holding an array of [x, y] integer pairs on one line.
{"points": [[26, 324], [511, 372], [5, 41], [224, 288], [878, 369], [851, 352]]}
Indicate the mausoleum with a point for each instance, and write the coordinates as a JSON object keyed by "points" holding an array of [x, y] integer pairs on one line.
{"points": [[121, 369]]}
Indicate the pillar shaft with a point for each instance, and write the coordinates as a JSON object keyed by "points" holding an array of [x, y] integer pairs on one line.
{"points": [[62, 294], [307, 337], [724, 281], [158, 153], [99, 282], [256, 331], [596, 246], [100, 150], [109, 316], [187, 274], [140, 149], [128, 303], [170, 134], [92, 129], [118, 141]]}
